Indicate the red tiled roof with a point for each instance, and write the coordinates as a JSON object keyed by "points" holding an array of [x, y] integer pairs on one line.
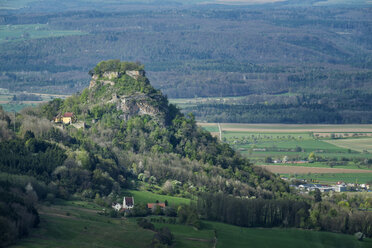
{"points": [[151, 205], [68, 114]]}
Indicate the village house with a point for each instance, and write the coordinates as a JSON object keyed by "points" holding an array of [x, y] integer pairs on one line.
{"points": [[151, 205], [128, 202], [66, 118], [117, 206]]}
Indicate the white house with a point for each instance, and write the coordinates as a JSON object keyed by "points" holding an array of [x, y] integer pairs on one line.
{"points": [[116, 206], [340, 188], [128, 202]]}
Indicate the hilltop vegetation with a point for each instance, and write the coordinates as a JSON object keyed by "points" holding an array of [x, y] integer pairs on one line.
{"points": [[288, 61]]}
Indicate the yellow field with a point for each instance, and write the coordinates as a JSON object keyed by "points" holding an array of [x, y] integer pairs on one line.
{"points": [[360, 145]]}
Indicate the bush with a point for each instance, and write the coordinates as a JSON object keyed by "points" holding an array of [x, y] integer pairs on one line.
{"points": [[145, 224], [163, 236]]}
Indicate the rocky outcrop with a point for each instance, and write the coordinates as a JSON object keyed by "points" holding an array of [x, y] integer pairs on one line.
{"points": [[138, 104], [110, 75], [130, 104], [135, 74]]}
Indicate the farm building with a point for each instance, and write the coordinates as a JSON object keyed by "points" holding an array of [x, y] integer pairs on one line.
{"points": [[117, 206], [128, 202], [66, 118], [151, 205]]}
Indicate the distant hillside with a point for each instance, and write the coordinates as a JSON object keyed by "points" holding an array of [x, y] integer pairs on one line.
{"points": [[303, 63]]}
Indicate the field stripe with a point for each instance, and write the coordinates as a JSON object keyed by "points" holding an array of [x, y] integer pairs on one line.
{"points": [[304, 170]]}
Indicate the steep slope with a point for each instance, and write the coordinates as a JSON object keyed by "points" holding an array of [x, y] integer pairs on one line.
{"points": [[123, 132]]}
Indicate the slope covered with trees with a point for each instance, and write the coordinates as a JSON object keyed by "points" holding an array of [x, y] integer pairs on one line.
{"points": [[127, 134], [117, 146]]}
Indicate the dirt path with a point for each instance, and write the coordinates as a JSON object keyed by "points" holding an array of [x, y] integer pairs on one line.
{"points": [[304, 170]]}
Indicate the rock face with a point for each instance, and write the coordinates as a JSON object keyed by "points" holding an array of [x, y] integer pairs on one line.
{"points": [[132, 104], [135, 74], [110, 75], [138, 104]]}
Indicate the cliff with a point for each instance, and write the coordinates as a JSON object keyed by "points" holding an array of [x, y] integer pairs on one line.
{"points": [[126, 86]]}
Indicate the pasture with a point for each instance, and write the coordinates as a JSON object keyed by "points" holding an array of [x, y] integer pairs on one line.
{"points": [[77, 225], [149, 197], [12, 33], [234, 236], [70, 226]]}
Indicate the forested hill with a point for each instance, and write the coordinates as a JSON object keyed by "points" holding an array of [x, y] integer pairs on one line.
{"points": [[123, 132], [295, 61]]}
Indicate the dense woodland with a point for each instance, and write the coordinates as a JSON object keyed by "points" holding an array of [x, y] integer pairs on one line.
{"points": [[321, 54], [166, 152], [331, 215]]}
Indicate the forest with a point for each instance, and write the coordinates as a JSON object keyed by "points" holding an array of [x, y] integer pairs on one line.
{"points": [[321, 56], [161, 149]]}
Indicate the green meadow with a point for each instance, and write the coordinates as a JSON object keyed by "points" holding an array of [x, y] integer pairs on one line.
{"points": [[233, 236], [149, 197], [78, 225], [11, 33], [69, 226], [296, 142]]}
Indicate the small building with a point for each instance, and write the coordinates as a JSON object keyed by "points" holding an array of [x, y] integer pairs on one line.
{"points": [[128, 202], [58, 118], [68, 118], [117, 206], [340, 188], [160, 204]]}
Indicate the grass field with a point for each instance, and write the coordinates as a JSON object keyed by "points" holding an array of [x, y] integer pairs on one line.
{"points": [[233, 236], [10, 33], [76, 224], [149, 197], [360, 145], [187, 236], [69, 226]]}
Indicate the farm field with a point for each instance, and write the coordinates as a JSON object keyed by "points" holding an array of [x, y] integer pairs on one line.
{"points": [[6, 98], [331, 178], [15, 4], [280, 169], [77, 224], [291, 128], [359, 145], [335, 149], [12, 33]]}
